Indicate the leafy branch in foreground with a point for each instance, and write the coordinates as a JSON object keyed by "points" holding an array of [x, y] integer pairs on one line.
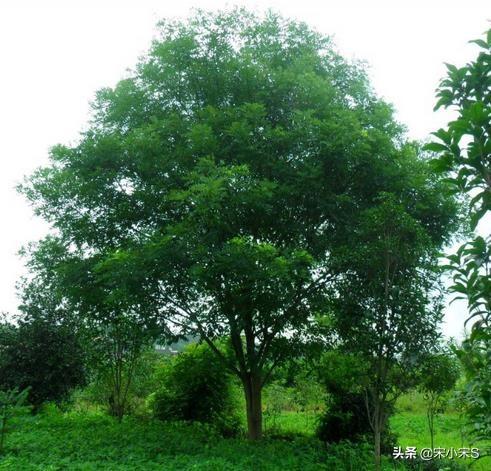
{"points": [[465, 156]]}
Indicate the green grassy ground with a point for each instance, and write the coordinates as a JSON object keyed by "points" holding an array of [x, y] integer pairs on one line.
{"points": [[410, 427], [92, 441], [89, 442], [412, 430]]}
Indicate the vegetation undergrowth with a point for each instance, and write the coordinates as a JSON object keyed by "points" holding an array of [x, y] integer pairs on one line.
{"points": [[56, 440]]}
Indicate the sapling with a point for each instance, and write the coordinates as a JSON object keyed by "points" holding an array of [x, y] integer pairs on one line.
{"points": [[439, 374]]}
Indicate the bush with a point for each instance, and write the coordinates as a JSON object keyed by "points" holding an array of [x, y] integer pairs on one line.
{"points": [[43, 356], [346, 417], [195, 386]]}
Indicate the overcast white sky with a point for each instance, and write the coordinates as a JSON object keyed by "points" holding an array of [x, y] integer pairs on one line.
{"points": [[55, 54]]}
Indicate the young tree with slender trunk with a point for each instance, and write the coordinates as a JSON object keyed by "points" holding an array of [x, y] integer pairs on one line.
{"points": [[438, 375], [387, 307]]}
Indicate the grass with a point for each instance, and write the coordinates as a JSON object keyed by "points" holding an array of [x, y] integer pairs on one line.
{"points": [[410, 424], [412, 430], [90, 441], [69, 441], [292, 423]]}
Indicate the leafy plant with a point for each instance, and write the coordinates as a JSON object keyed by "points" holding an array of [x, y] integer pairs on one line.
{"points": [[475, 394], [464, 150]]}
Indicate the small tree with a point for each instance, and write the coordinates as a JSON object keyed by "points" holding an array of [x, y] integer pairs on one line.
{"points": [[387, 307], [112, 331], [115, 345], [438, 375], [10, 401]]}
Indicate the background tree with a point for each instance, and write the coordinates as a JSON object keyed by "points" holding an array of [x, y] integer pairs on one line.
{"points": [[465, 157], [216, 180], [44, 357], [42, 350], [439, 373]]}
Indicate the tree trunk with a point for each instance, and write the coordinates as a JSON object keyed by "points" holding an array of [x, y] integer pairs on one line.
{"points": [[430, 415], [253, 390], [377, 433], [117, 405]]}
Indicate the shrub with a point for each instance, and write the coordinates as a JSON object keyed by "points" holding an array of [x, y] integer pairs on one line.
{"points": [[346, 417], [194, 386]]}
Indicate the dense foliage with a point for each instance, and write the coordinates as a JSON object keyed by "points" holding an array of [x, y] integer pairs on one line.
{"points": [[346, 416], [10, 402], [92, 442], [97, 442]]}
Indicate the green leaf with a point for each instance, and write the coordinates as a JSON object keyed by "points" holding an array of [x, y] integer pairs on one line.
{"points": [[480, 43], [451, 68], [443, 135], [435, 147]]}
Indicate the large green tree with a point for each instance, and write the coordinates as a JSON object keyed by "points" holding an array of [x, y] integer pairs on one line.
{"points": [[216, 179]]}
